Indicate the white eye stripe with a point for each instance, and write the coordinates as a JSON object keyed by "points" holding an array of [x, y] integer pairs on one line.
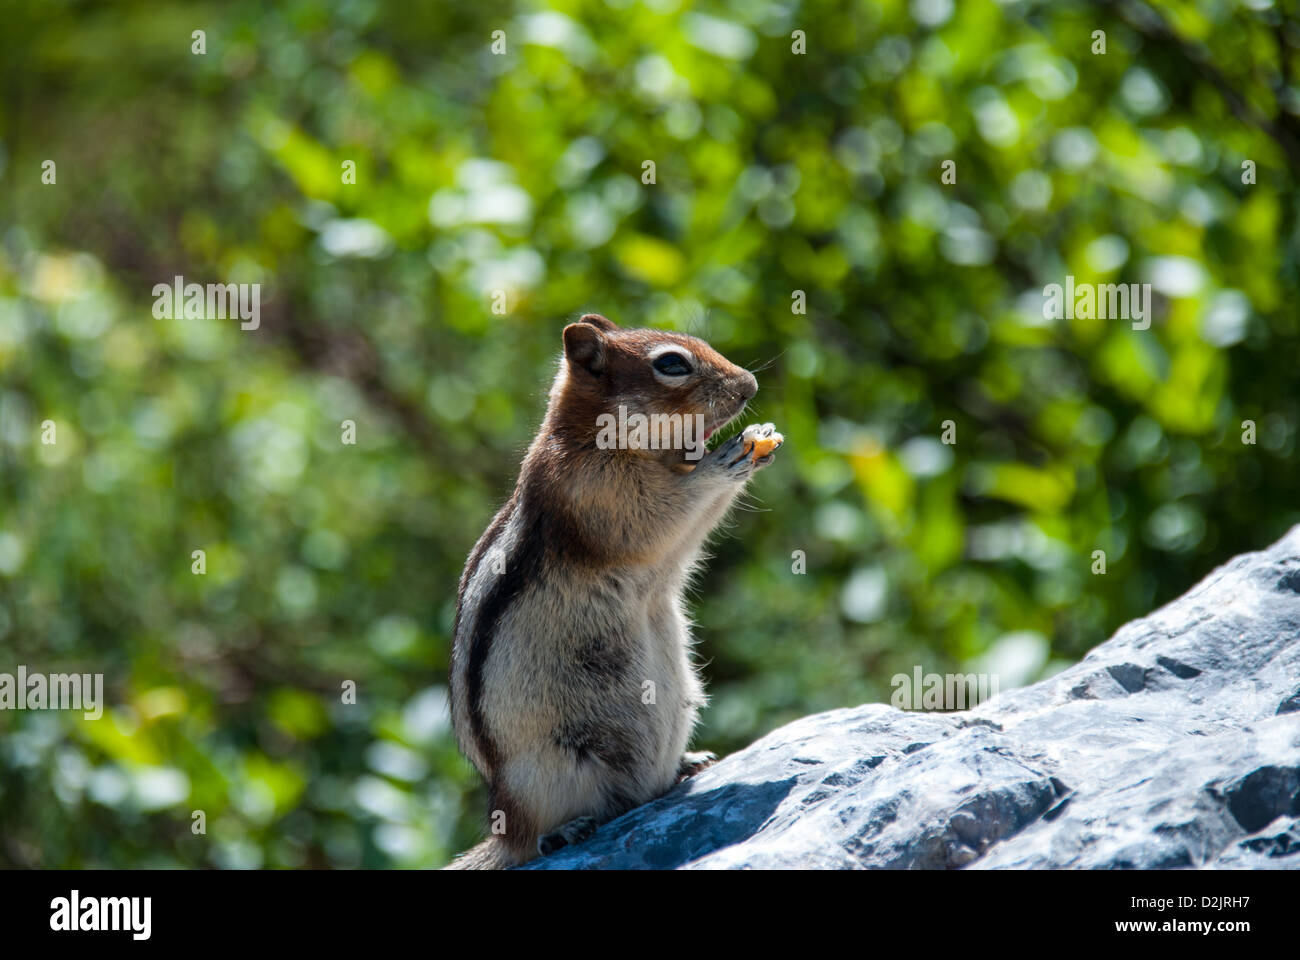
{"points": [[663, 348]]}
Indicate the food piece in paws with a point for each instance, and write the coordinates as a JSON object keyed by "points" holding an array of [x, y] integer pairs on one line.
{"points": [[759, 440], [765, 445]]}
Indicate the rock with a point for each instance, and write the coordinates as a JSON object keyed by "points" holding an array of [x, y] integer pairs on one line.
{"points": [[1174, 744]]}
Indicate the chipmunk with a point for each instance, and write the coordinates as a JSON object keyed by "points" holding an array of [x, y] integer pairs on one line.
{"points": [[572, 687]]}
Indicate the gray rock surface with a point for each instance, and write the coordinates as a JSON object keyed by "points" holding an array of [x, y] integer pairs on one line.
{"points": [[1174, 744]]}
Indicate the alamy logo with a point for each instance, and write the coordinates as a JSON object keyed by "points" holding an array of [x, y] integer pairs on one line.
{"points": [[215, 301], [1106, 301], [134, 914], [935, 691], [55, 691], [656, 431]]}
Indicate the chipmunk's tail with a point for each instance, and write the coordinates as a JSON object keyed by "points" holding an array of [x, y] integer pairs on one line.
{"points": [[491, 854]]}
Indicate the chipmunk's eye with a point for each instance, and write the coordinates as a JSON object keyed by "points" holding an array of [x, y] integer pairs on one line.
{"points": [[672, 365]]}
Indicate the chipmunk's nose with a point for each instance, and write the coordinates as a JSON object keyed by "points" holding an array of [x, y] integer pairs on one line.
{"points": [[747, 385]]}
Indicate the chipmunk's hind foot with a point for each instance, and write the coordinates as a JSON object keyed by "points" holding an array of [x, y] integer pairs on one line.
{"points": [[575, 831], [693, 762]]}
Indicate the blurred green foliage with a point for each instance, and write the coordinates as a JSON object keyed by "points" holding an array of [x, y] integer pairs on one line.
{"points": [[775, 172]]}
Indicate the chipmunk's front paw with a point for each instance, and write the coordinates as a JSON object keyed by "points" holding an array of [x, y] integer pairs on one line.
{"points": [[746, 452]]}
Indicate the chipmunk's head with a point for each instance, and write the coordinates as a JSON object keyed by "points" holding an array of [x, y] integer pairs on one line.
{"points": [[683, 388]]}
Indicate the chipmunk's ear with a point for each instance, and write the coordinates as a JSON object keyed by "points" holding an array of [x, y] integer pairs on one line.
{"points": [[596, 320], [584, 345]]}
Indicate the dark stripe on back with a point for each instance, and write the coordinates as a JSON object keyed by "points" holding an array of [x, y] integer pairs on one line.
{"points": [[489, 537], [522, 567], [476, 555]]}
